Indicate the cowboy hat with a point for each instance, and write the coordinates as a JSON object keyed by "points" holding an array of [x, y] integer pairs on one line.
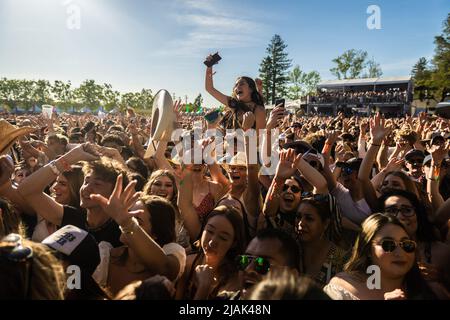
{"points": [[239, 159], [162, 120], [9, 134]]}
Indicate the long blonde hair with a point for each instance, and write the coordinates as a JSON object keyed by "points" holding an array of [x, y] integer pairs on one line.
{"points": [[40, 277]]}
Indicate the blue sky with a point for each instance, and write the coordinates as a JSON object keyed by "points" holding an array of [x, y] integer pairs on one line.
{"points": [[153, 44]]}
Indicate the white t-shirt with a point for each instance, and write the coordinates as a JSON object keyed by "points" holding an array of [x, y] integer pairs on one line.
{"points": [[101, 273], [357, 211]]}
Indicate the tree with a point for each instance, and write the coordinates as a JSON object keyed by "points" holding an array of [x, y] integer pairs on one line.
{"points": [[420, 69], [265, 71], [273, 69], [198, 102], [111, 97], [41, 92], [89, 94], [421, 74], [295, 77], [350, 64], [441, 62], [373, 69], [146, 99], [303, 83], [63, 94]]}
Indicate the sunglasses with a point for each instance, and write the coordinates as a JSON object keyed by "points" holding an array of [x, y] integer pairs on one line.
{"points": [[262, 265], [15, 252], [406, 211], [293, 188], [389, 245]]}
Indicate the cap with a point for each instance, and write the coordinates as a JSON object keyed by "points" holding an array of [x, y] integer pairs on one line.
{"points": [[437, 136], [427, 159], [300, 146], [353, 163], [78, 245], [411, 154]]}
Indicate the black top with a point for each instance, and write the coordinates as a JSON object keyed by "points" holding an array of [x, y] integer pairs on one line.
{"points": [[109, 231]]}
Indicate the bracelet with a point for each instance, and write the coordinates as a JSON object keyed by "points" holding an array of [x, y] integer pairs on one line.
{"points": [[376, 145], [52, 165], [130, 228]]}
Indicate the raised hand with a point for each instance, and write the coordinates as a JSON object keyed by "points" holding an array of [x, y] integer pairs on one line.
{"points": [[286, 165], [397, 294], [259, 85], [276, 116], [83, 152], [395, 164], [438, 152], [6, 169], [248, 121], [378, 130], [363, 127], [339, 153], [204, 276], [119, 202]]}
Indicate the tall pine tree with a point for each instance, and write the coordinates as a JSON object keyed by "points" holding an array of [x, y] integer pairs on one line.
{"points": [[274, 70]]}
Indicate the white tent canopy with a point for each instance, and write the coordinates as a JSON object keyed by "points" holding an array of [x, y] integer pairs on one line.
{"points": [[362, 82]]}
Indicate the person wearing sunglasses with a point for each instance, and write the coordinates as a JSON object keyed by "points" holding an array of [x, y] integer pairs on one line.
{"points": [[433, 255], [321, 259], [285, 191], [348, 190], [270, 250], [29, 271], [414, 163], [383, 242]]}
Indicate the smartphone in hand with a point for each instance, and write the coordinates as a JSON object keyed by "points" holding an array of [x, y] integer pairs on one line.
{"points": [[280, 101], [214, 60]]}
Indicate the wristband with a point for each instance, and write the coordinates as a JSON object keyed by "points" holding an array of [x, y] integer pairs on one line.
{"points": [[52, 165], [130, 228]]}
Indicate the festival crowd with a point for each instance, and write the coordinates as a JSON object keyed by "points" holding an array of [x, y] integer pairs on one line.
{"points": [[339, 208]]}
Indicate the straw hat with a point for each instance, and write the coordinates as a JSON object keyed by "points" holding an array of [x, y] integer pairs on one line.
{"points": [[239, 159], [9, 134]]}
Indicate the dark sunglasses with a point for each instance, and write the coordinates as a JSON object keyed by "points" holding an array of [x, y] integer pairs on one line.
{"points": [[406, 211], [15, 252], [389, 245], [262, 265], [293, 188]]}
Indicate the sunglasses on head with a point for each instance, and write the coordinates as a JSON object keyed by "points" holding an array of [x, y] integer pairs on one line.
{"points": [[389, 245], [293, 188], [262, 265], [406, 211], [14, 252]]}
